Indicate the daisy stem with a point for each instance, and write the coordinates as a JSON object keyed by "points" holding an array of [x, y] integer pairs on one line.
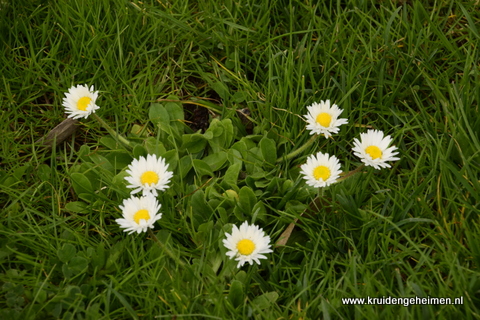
{"points": [[299, 150], [165, 249], [351, 173], [113, 133]]}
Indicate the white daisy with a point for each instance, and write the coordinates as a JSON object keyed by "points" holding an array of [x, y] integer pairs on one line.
{"points": [[79, 101], [148, 174], [139, 214], [247, 243], [323, 118], [321, 170], [373, 149]]}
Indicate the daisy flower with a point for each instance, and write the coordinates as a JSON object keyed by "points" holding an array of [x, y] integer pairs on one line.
{"points": [[148, 174], [321, 170], [79, 101], [323, 118], [373, 149], [139, 214], [247, 244]]}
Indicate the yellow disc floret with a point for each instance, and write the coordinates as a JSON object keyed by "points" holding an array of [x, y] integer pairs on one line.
{"points": [[374, 152], [141, 214], [324, 119], [245, 247], [83, 103], [321, 172], [149, 177]]}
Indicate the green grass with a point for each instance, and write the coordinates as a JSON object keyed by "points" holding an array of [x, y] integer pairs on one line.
{"points": [[409, 68]]}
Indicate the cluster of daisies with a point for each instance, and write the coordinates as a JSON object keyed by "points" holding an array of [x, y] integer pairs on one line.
{"points": [[321, 169], [149, 175], [248, 243]]}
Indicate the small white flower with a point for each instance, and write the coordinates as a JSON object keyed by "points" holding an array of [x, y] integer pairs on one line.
{"points": [[373, 149], [247, 244], [79, 101], [139, 214], [323, 118], [148, 174], [321, 170]]}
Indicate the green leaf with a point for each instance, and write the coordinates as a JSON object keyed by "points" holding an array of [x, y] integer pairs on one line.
{"points": [[216, 161], [78, 265], [269, 150], [221, 89], [246, 200], [231, 175], [109, 142], [139, 151], [20, 171], [171, 158], [265, 300], [234, 157], [67, 252], [193, 143], [236, 294], [158, 114], [175, 112], [114, 253], [239, 96], [99, 257], [200, 209], [185, 164], [81, 184], [259, 212], [154, 146], [102, 162], [77, 207], [44, 172], [119, 159], [202, 168]]}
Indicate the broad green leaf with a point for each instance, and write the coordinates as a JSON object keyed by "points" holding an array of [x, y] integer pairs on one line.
{"points": [[109, 142], [139, 151], [236, 294], [81, 183], [100, 256], [119, 159], [67, 252], [158, 114], [185, 164], [171, 158], [102, 162], [231, 175], [246, 200], [44, 172], [216, 161], [193, 143], [265, 300], [154, 146], [221, 89], [239, 96], [202, 168], [269, 150], [234, 157], [77, 207], [78, 264]]}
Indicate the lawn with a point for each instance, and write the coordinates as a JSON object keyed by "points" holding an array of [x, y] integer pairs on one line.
{"points": [[220, 91]]}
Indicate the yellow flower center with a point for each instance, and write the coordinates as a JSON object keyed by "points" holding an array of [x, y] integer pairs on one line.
{"points": [[245, 247], [324, 119], [83, 103], [321, 172], [149, 177], [374, 152], [141, 214]]}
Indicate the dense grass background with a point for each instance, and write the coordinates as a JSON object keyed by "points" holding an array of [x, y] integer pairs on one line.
{"points": [[410, 68]]}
